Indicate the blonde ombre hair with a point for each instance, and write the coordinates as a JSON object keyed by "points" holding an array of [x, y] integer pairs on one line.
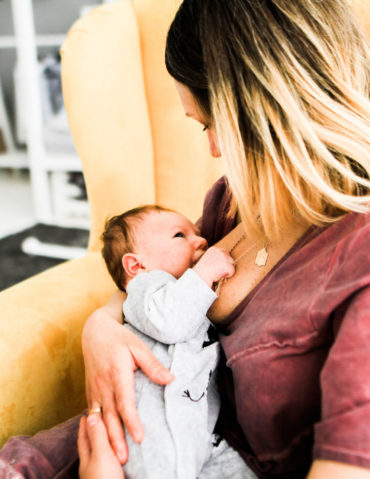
{"points": [[286, 85]]}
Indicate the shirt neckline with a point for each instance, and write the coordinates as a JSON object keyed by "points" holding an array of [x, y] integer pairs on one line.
{"points": [[305, 237]]}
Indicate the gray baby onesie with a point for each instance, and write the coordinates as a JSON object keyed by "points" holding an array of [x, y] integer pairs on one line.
{"points": [[169, 315]]}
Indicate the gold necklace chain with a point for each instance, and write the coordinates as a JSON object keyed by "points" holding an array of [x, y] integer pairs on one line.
{"points": [[260, 259]]}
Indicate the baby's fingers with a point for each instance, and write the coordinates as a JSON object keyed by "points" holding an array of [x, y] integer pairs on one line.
{"points": [[229, 267]]}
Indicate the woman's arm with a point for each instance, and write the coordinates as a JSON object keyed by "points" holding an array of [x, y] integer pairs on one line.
{"points": [[329, 469], [112, 353]]}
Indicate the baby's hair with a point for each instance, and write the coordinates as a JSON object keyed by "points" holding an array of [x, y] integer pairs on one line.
{"points": [[119, 238]]}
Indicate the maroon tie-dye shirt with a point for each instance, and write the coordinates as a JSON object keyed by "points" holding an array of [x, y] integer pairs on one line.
{"points": [[295, 385]]}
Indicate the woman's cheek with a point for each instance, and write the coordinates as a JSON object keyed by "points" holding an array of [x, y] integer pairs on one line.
{"points": [[213, 144]]}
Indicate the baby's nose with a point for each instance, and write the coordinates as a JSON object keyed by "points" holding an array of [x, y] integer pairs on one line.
{"points": [[200, 243]]}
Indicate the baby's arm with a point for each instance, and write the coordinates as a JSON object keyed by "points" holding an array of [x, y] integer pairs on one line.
{"points": [[216, 263], [170, 310], [166, 309]]}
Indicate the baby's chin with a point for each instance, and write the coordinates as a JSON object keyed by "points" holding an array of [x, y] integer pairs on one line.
{"points": [[201, 253]]}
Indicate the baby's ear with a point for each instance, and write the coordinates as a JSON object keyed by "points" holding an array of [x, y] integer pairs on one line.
{"points": [[132, 265]]}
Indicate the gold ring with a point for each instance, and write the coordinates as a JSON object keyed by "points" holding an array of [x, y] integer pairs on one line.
{"points": [[95, 410]]}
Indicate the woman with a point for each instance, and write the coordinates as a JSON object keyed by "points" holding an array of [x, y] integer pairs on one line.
{"points": [[282, 91]]}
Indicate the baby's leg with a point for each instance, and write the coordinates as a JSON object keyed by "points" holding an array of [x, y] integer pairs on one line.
{"points": [[225, 463], [50, 454]]}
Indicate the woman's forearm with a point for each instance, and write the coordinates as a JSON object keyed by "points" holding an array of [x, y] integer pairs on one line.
{"points": [[113, 308], [112, 353]]}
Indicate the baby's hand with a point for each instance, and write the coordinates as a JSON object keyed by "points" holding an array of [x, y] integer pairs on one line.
{"points": [[216, 263]]}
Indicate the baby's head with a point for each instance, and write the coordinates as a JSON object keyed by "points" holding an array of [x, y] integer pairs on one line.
{"points": [[150, 238]]}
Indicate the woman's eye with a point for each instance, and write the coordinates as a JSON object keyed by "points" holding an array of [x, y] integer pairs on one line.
{"points": [[179, 235]]}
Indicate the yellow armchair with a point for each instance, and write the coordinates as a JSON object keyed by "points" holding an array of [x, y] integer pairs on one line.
{"points": [[136, 147]]}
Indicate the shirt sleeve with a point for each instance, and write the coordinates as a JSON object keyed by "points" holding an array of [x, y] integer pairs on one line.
{"points": [[168, 310], [343, 434]]}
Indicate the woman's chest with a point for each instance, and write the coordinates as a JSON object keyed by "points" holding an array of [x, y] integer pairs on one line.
{"points": [[291, 308], [253, 260]]}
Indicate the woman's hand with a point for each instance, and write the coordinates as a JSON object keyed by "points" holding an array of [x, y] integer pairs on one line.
{"points": [[112, 353], [97, 458]]}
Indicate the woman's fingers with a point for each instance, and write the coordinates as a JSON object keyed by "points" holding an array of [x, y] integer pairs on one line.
{"points": [[83, 443], [110, 376], [97, 434], [112, 419], [88, 391], [142, 357], [124, 387], [150, 365], [116, 435]]}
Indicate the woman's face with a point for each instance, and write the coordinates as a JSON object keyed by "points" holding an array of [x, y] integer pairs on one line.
{"points": [[192, 110]]}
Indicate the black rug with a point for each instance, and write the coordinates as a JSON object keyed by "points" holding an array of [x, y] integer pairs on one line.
{"points": [[16, 266]]}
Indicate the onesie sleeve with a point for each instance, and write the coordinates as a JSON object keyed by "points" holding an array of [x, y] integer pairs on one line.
{"points": [[166, 309], [343, 434]]}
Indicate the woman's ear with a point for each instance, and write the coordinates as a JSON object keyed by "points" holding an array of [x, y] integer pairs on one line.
{"points": [[132, 265]]}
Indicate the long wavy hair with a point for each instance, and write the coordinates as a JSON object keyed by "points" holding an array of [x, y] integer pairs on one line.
{"points": [[286, 87]]}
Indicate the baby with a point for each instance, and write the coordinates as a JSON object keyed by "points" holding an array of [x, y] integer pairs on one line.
{"points": [[159, 258]]}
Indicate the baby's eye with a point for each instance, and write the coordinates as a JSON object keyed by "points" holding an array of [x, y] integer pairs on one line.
{"points": [[205, 127], [179, 235]]}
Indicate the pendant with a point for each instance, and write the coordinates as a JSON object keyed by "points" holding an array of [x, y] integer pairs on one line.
{"points": [[261, 257]]}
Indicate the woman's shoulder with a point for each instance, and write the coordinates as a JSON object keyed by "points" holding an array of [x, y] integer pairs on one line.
{"points": [[351, 235], [345, 244], [347, 235]]}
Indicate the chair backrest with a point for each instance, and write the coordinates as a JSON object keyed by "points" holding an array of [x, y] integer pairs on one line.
{"points": [[130, 131]]}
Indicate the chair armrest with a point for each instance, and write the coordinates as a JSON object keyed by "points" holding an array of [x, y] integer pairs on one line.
{"points": [[41, 364]]}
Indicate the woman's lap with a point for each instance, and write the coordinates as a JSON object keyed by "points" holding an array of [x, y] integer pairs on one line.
{"points": [[49, 454]]}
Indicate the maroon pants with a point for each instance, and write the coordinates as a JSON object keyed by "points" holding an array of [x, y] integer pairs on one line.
{"points": [[48, 454]]}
